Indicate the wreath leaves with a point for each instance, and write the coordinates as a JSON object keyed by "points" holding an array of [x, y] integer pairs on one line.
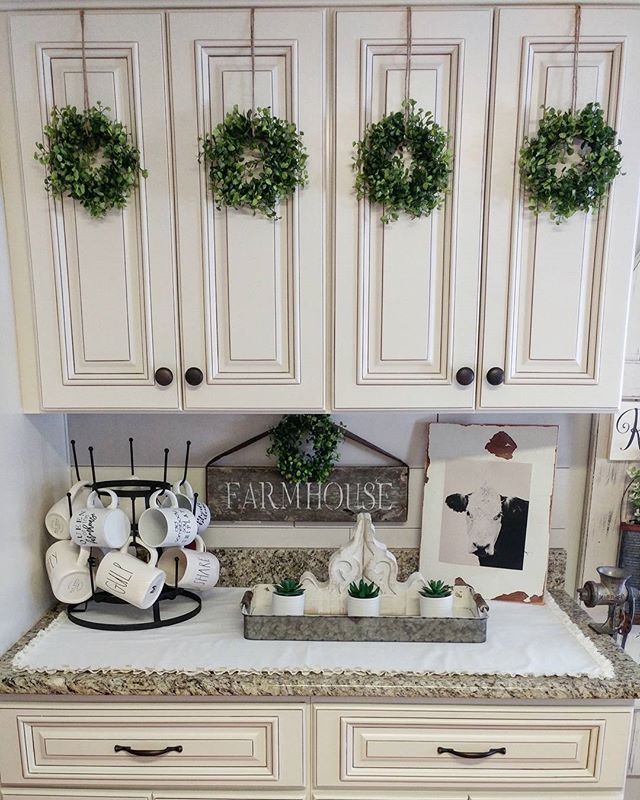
{"points": [[255, 160], [292, 439], [403, 163], [553, 181], [90, 158]]}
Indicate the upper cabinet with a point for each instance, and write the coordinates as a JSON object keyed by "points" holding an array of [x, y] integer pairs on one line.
{"points": [[407, 293], [103, 291], [174, 303], [251, 288], [555, 296], [249, 292]]}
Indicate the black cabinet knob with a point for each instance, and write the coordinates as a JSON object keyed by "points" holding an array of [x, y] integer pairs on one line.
{"points": [[163, 376], [465, 376], [194, 376], [495, 376]]}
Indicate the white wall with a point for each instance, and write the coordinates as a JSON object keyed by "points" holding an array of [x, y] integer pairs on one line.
{"points": [[403, 434], [33, 473]]}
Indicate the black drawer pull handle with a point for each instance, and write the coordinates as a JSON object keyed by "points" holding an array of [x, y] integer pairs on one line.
{"points": [[120, 748], [461, 754]]}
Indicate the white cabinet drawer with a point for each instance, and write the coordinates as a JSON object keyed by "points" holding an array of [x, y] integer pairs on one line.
{"points": [[219, 745], [364, 746], [69, 794]]}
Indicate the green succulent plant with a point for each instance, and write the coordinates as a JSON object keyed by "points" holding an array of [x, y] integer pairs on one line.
{"points": [[363, 590], [289, 587], [436, 589]]}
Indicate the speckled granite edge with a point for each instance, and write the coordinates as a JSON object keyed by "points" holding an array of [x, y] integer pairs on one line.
{"points": [[624, 685], [246, 566]]}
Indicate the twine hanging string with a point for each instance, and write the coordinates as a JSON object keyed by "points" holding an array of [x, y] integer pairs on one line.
{"points": [[85, 81], [576, 50], [253, 66], [407, 67]]}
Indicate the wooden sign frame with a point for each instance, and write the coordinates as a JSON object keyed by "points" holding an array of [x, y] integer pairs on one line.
{"points": [[260, 494]]}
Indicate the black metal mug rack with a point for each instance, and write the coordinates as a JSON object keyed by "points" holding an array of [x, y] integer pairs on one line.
{"points": [[132, 489]]}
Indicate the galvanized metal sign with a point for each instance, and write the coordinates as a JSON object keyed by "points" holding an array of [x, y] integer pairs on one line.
{"points": [[259, 494]]}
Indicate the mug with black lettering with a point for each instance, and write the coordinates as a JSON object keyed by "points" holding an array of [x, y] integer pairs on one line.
{"points": [[123, 575], [97, 526], [58, 517], [185, 496], [68, 570], [196, 569], [166, 526]]}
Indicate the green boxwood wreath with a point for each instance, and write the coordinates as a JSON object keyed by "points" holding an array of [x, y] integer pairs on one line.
{"points": [[255, 160], [305, 447], [551, 183], [90, 158], [403, 163]]}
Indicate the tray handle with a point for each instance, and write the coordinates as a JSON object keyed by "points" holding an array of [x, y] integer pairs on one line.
{"points": [[482, 604], [245, 603]]}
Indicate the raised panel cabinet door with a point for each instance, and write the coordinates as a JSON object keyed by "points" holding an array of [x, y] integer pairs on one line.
{"points": [[251, 288], [103, 289], [406, 293], [555, 302]]}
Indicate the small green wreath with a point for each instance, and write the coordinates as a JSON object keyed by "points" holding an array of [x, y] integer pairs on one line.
{"points": [[403, 163], [255, 160], [315, 432], [561, 186], [89, 157]]}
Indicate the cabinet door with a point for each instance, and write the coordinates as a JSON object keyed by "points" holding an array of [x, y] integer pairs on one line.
{"points": [[556, 296], [406, 293], [251, 289], [103, 290]]}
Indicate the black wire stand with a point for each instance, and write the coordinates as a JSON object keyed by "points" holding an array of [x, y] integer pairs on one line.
{"points": [[133, 489]]}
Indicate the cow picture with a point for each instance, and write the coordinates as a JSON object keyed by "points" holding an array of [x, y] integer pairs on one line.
{"points": [[486, 507], [496, 526]]}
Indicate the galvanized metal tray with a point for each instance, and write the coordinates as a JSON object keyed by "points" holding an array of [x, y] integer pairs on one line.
{"points": [[469, 625]]}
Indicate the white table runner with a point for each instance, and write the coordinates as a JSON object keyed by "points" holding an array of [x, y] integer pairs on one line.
{"points": [[521, 640]]}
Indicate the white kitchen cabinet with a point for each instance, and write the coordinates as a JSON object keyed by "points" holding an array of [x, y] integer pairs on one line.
{"points": [[407, 293], [102, 291], [205, 746], [554, 300], [234, 307], [71, 794], [555, 296], [394, 748], [335, 750], [251, 289]]}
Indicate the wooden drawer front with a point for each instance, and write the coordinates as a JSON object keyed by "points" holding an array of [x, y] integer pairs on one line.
{"points": [[385, 745], [71, 795], [255, 745]]}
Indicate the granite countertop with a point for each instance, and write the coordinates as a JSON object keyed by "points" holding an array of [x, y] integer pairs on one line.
{"points": [[625, 684]]}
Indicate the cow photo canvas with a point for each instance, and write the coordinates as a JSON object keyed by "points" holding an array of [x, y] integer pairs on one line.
{"points": [[486, 509]]}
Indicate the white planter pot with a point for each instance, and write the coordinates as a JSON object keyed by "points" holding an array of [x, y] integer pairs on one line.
{"points": [[363, 606], [436, 606], [287, 605]]}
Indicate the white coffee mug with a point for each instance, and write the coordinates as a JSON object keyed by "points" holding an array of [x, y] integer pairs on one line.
{"points": [[97, 526], [185, 494], [68, 570], [196, 569], [123, 575], [58, 517], [165, 527]]}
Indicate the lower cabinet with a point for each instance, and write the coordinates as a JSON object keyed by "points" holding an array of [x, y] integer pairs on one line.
{"points": [[274, 750], [69, 794]]}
